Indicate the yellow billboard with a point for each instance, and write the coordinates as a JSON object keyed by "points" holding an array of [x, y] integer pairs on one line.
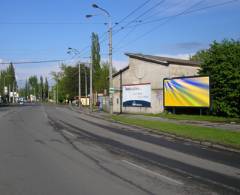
{"points": [[187, 92]]}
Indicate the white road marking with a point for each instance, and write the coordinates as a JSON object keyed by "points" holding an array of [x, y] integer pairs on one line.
{"points": [[68, 133], [154, 173], [45, 115]]}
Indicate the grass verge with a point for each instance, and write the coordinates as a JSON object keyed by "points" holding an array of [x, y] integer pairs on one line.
{"points": [[213, 135], [196, 117]]}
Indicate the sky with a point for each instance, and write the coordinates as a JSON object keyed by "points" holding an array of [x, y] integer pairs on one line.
{"points": [[32, 30]]}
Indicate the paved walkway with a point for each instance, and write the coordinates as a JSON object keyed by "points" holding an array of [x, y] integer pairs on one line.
{"points": [[226, 126]]}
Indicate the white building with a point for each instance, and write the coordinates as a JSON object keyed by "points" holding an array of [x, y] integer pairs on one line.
{"points": [[150, 70]]}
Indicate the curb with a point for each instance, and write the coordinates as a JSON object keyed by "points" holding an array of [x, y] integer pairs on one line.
{"points": [[176, 137], [203, 143]]}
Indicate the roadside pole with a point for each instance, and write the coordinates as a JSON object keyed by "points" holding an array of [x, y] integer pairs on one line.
{"points": [[85, 85], [9, 99], [110, 50], [13, 93], [57, 93], [79, 85], [91, 87], [110, 64]]}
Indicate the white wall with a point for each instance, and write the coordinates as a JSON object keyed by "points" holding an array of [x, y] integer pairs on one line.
{"points": [[147, 72]]}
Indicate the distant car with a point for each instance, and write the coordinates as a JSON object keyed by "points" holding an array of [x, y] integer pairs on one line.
{"points": [[21, 100]]}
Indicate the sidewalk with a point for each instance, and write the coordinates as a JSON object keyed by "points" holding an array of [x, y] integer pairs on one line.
{"points": [[95, 113], [225, 126]]}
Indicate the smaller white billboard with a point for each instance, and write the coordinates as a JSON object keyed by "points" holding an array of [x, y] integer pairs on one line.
{"points": [[138, 95]]}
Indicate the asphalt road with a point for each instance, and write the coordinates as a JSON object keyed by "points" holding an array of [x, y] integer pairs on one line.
{"points": [[55, 150]]}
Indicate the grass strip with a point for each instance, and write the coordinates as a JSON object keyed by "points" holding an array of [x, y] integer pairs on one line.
{"points": [[214, 135], [195, 117]]}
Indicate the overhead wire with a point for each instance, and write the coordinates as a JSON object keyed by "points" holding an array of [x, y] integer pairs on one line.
{"points": [[103, 37], [139, 16], [166, 19], [33, 62], [192, 11]]}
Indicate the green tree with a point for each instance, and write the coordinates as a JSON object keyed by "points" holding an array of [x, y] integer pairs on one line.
{"points": [[26, 89], [2, 78], [46, 89], [33, 85], [96, 58], [222, 63], [41, 88], [8, 79], [199, 56]]}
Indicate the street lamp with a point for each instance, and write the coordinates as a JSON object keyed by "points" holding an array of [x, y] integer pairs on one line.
{"points": [[76, 52], [79, 75], [110, 50]]}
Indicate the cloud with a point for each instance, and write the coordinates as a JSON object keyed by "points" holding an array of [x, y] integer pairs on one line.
{"points": [[2, 66], [118, 64], [25, 71], [190, 45], [184, 56], [186, 47]]}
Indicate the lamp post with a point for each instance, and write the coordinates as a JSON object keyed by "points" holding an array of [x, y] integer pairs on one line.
{"points": [[76, 52], [110, 50]]}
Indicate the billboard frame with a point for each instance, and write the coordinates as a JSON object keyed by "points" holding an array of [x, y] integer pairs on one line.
{"points": [[196, 76], [136, 85]]}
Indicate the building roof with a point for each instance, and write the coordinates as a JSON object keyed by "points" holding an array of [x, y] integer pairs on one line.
{"points": [[120, 71], [158, 60], [162, 60]]}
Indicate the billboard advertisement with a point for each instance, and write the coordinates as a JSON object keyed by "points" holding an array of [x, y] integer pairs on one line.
{"points": [[187, 92], [137, 95]]}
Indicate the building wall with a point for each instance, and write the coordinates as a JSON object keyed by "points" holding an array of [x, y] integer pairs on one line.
{"points": [[147, 72]]}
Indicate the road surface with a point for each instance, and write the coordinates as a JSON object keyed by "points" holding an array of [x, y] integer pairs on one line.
{"points": [[54, 150]]}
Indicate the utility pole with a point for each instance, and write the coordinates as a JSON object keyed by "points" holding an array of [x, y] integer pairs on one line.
{"points": [[13, 93], [91, 86], [79, 85], [57, 93], [85, 85], [110, 52], [110, 65], [9, 99]]}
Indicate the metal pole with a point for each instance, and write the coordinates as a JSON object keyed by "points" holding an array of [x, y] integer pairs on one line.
{"points": [[57, 93], [85, 85], [110, 64], [91, 87], [35, 97], [9, 93], [121, 93], [79, 85], [13, 93]]}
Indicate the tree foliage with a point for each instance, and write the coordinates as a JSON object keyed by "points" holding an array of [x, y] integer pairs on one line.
{"points": [[222, 63], [96, 58], [46, 89], [67, 82], [7, 79]]}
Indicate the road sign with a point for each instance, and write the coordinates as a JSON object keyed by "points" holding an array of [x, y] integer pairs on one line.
{"points": [[111, 90]]}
